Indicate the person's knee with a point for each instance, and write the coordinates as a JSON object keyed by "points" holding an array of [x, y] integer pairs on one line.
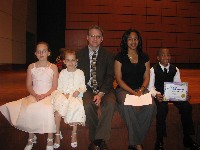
{"points": [[120, 96], [88, 108], [162, 107], [152, 108], [111, 105]]}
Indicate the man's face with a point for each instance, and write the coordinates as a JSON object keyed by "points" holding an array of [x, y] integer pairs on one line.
{"points": [[94, 38]]}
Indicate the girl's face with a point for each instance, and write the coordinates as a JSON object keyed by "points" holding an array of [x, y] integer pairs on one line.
{"points": [[42, 52], [70, 61], [132, 41]]}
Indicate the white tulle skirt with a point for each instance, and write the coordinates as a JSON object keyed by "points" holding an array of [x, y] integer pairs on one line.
{"points": [[70, 109], [29, 115]]}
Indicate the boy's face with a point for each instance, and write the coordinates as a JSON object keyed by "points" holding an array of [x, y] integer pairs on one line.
{"points": [[164, 57]]}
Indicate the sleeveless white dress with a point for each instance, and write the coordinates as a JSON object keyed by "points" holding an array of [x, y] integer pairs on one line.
{"points": [[70, 109], [29, 115]]}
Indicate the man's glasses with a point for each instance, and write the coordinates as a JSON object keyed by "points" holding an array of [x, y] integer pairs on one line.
{"points": [[95, 36]]}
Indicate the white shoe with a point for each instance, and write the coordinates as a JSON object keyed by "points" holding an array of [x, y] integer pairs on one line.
{"points": [[32, 141], [57, 145], [74, 144], [49, 147]]}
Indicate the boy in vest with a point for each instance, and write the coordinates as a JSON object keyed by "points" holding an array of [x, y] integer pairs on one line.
{"points": [[166, 72]]}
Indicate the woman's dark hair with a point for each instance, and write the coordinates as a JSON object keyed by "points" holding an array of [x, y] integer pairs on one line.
{"points": [[124, 45]]}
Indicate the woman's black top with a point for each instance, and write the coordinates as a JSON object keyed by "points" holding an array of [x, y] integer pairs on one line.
{"points": [[132, 73]]}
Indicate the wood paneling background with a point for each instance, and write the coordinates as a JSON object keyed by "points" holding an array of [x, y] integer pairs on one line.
{"points": [[167, 23]]}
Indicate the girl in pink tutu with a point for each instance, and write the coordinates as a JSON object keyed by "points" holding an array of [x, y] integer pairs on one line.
{"points": [[67, 99], [34, 113]]}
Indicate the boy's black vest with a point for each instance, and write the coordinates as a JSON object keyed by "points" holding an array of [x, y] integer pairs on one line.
{"points": [[161, 77]]}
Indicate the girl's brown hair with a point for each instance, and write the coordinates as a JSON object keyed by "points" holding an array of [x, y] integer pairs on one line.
{"points": [[73, 52]]}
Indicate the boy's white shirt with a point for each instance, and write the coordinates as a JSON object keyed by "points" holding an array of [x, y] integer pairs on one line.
{"points": [[151, 86]]}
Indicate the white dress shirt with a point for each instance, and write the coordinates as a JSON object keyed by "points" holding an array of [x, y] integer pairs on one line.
{"points": [[151, 85]]}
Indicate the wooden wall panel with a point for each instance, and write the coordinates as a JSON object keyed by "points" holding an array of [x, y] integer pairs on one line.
{"points": [[170, 23], [75, 39]]}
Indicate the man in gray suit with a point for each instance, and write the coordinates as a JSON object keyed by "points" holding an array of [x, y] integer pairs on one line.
{"points": [[99, 76]]}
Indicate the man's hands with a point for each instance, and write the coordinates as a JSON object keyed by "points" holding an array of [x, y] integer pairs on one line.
{"points": [[97, 98]]}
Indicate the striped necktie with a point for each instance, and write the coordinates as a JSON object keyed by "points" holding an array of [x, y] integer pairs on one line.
{"points": [[93, 73]]}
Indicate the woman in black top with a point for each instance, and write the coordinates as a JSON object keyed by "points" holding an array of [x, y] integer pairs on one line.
{"points": [[132, 72]]}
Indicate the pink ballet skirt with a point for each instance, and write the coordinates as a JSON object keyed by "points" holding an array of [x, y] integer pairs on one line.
{"points": [[29, 115]]}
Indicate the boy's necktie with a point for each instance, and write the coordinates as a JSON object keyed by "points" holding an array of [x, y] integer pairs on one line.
{"points": [[165, 71]]}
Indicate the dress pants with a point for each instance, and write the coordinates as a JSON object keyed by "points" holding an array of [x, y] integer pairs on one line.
{"points": [[99, 128], [185, 110], [138, 121]]}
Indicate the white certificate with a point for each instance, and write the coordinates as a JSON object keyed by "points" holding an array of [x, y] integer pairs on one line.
{"points": [[133, 100], [175, 91]]}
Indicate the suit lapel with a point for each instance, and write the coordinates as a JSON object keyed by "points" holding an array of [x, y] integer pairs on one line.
{"points": [[87, 64], [99, 60]]}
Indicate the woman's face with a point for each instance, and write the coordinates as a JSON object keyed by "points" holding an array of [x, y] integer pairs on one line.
{"points": [[132, 41], [42, 52], [70, 61]]}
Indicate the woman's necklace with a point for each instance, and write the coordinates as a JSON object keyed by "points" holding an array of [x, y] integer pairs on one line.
{"points": [[130, 57], [133, 57]]}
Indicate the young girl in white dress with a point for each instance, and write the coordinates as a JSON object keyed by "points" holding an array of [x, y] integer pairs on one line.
{"points": [[34, 113], [67, 99]]}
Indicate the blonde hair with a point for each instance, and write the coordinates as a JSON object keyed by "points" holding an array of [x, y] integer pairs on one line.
{"points": [[95, 27]]}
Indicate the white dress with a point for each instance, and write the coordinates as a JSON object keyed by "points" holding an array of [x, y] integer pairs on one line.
{"points": [[29, 115], [70, 109]]}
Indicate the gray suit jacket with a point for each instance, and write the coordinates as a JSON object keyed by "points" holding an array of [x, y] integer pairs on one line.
{"points": [[105, 68]]}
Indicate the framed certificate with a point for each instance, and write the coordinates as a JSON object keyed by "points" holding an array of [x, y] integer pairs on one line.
{"points": [[175, 91]]}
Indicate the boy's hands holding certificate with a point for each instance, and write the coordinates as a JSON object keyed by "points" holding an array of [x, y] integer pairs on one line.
{"points": [[159, 97]]}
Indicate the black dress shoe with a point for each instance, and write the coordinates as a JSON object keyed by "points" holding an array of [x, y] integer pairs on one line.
{"points": [[103, 145], [159, 146], [189, 143], [92, 146], [98, 145], [132, 147]]}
